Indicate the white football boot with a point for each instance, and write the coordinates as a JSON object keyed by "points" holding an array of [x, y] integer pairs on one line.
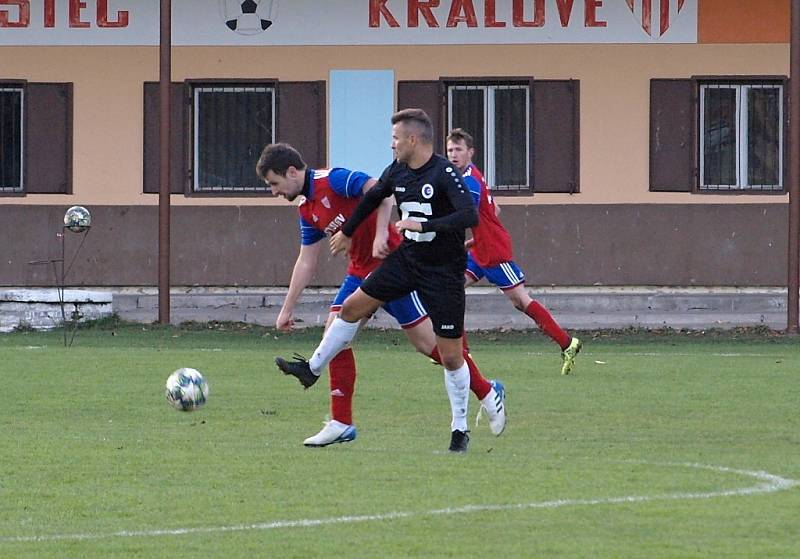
{"points": [[333, 432], [494, 405]]}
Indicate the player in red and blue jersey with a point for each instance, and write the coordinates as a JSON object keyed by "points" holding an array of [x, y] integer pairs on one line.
{"points": [[329, 198], [490, 253]]}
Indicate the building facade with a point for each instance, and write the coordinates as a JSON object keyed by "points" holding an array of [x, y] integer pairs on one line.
{"points": [[629, 142]]}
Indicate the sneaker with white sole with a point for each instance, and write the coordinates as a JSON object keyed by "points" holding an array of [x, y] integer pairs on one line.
{"points": [[494, 406], [333, 432]]}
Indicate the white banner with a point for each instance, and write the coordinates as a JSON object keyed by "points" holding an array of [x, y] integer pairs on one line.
{"points": [[348, 22]]}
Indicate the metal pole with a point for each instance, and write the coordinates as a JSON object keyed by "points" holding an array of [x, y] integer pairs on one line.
{"points": [[794, 171], [165, 79]]}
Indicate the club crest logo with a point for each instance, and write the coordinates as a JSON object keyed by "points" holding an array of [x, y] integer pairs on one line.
{"points": [[655, 15], [248, 17], [427, 191]]}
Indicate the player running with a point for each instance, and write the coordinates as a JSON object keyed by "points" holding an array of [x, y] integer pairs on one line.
{"points": [[329, 198], [435, 209], [490, 252]]}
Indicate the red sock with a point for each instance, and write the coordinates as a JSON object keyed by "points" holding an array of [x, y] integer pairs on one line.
{"points": [[477, 383], [342, 371], [547, 323], [466, 342]]}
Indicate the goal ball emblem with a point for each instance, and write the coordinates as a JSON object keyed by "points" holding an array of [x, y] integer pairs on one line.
{"points": [[660, 12], [248, 17]]}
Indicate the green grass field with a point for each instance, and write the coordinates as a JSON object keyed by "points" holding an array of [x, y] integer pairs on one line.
{"points": [[657, 446]]}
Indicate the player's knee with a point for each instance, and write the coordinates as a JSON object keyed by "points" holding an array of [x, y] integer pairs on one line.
{"points": [[452, 363]]}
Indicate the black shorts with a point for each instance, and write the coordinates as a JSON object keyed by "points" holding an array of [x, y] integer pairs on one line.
{"points": [[440, 288]]}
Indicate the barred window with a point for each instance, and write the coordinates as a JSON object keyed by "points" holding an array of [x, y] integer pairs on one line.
{"points": [[497, 116], [232, 124], [741, 136], [11, 130]]}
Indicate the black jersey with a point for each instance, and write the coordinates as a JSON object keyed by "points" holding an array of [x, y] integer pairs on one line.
{"points": [[434, 195]]}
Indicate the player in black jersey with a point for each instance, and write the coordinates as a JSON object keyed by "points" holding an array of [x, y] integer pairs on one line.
{"points": [[436, 207]]}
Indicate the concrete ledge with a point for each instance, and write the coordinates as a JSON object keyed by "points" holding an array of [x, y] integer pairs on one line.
{"points": [[41, 308], [573, 307]]}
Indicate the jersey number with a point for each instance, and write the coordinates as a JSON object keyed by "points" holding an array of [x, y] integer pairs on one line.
{"points": [[420, 213]]}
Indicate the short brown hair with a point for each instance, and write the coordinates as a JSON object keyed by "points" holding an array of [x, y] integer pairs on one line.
{"points": [[278, 158], [461, 135], [420, 119]]}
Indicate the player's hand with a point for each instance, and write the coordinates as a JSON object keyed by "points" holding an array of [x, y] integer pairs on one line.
{"points": [[469, 243], [408, 225], [380, 246], [339, 243], [284, 321]]}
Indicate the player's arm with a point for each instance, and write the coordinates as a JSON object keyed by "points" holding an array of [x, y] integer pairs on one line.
{"points": [[369, 202], [304, 269], [380, 245], [474, 186]]}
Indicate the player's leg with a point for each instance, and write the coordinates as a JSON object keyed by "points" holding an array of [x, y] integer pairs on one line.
{"points": [[442, 293], [338, 336], [570, 345], [389, 281], [412, 317], [342, 377], [511, 281], [343, 328]]}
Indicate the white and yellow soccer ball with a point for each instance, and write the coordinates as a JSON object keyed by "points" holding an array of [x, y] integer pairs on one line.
{"points": [[186, 389], [77, 219]]}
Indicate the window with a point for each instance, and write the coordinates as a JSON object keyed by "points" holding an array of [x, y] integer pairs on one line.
{"points": [[741, 136], [11, 129], [497, 116], [218, 130], [232, 124]]}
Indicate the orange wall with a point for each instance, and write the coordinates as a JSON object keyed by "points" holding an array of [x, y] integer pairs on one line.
{"points": [[743, 21]]}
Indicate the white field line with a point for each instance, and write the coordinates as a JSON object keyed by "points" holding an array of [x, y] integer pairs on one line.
{"points": [[768, 483], [660, 354]]}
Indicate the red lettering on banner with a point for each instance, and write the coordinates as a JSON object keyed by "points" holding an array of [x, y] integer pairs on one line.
{"points": [[23, 17], [489, 15], [590, 14], [416, 7], [102, 16], [75, 7], [518, 14], [377, 8], [564, 11], [462, 11], [49, 13]]}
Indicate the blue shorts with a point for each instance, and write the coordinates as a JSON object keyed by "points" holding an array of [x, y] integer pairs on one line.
{"points": [[407, 310], [505, 275]]}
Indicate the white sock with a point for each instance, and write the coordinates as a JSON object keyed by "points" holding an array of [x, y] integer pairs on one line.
{"points": [[457, 384], [336, 338]]}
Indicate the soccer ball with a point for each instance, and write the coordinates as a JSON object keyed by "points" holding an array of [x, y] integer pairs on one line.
{"points": [[77, 219], [248, 17], [186, 389]]}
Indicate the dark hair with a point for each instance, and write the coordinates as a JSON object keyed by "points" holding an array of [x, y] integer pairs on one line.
{"points": [[461, 135], [419, 119], [278, 158]]}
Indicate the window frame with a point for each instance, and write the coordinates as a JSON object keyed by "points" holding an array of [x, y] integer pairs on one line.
{"points": [[495, 82], [18, 85], [701, 83], [191, 137]]}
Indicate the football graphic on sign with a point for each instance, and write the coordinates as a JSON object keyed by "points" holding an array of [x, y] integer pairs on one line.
{"points": [[247, 17]]}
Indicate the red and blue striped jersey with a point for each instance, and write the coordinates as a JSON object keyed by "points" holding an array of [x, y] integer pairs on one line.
{"points": [[331, 195]]}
